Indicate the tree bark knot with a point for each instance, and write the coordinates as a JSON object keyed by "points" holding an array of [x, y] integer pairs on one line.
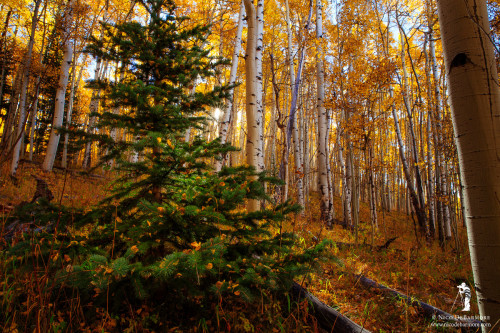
{"points": [[459, 60]]}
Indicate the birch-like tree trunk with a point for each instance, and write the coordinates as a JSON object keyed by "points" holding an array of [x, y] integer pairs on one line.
{"points": [[259, 98], [326, 206], [414, 149], [75, 80], [475, 102], [253, 145], [228, 111], [24, 90], [297, 147], [406, 169], [50, 156]]}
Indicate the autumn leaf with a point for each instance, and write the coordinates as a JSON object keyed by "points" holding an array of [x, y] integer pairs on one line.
{"points": [[196, 245]]}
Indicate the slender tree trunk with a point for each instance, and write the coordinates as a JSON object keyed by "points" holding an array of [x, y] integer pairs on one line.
{"points": [[228, 111], [74, 87], [430, 174], [8, 131], [475, 101], [24, 91], [259, 98], [3, 51], [406, 170], [50, 156], [253, 140], [324, 188], [414, 149]]}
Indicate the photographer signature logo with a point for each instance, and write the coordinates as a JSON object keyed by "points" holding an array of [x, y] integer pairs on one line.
{"points": [[464, 293]]}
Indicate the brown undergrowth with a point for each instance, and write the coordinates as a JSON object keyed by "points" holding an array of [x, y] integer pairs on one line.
{"points": [[424, 271]]}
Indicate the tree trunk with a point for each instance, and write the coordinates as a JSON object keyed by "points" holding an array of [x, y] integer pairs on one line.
{"points": [[326, 205], [259, 98], [406, 170], [24, 90], [74, 87], [414, 149], [228, 111], [253, 145], [50, 157], [475, 101]]}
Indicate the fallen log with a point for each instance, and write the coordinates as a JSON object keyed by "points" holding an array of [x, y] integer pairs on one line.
{"points": [[330, 319], [427, 310], [379, 248]]}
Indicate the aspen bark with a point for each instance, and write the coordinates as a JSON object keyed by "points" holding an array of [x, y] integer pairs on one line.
{"points": [[253, 140], [414, 149], [228, 110], [74, 87], [259, 98], [475, 101], [50, 156], [326, 205], [24, 90]]}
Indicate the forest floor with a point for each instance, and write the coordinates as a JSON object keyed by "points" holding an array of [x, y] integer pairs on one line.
{"points": [[417, 269]]}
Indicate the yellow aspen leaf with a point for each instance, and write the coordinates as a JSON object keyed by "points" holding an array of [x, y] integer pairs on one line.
{"points": [[118, 219], [134, 249], [56, 256], [196, 245], [209, 265], [158, 139], [169, 143], [237, 292], [160, 209]]}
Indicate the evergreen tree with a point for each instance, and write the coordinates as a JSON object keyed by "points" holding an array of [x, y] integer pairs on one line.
{"points": [[172, 223]]}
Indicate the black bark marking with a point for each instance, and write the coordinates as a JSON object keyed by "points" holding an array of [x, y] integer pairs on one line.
{"points": [[460, 59]]}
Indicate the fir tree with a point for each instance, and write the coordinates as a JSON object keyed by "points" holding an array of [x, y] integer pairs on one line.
{"points": [[172, 222]]}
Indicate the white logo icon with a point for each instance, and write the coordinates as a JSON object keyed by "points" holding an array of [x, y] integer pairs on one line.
{"points": [[464, 292]]}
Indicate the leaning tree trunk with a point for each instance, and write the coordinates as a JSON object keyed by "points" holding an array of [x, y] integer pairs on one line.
{"points": [[475, 102], [24, 90], [50, 157]]}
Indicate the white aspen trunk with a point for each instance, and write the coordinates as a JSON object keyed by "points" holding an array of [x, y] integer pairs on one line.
{"points": [[326, 205], [437, 134], [406, 170], [228, 111], [259, 48], [371, 187], [252, 143], [446, 208], [69, 112], [414, 150], [50, 156], [24, 89], [475, 102], [299, 161], [33, 121], [430, 174]]}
